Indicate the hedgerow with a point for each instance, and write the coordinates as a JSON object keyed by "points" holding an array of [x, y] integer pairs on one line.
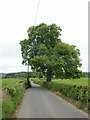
{"points": [[75, 92]]}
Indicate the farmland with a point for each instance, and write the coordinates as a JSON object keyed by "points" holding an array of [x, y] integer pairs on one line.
{"points": [[82, 81], [10, 81]]}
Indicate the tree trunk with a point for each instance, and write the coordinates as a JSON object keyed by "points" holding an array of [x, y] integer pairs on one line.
{"points": [[28, 82], [49, 75]]}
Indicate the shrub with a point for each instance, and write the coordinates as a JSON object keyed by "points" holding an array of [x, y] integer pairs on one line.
{"points": [[76, 92], [13, 91], [80, 105], [16, 93]]}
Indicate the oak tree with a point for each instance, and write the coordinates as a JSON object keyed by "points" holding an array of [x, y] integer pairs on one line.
{"points": [[46, 53]]}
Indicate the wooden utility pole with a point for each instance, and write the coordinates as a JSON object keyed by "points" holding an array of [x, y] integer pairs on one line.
{"points": [[28, 81]]}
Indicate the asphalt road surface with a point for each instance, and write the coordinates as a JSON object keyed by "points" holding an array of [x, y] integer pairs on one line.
{"points": [[41, 103]]}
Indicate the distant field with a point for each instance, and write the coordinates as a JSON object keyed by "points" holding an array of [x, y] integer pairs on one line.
{"points": [[82, 81], [10, 81]]}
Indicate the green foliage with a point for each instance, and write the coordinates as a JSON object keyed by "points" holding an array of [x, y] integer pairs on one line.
{"points": [[47, 54], [68, 61], [86, 74], [13, 91], [0, 109], [81, 105], [16, 92], [20, 75], [8, 107], [75, 92], [32, 74], [17, 98]]}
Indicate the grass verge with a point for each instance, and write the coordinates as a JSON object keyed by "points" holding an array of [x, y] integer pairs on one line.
{"points": [[9, 105]]}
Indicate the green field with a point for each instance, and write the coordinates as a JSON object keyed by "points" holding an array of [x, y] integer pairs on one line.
{"points": [[10, 81], [82, 81]]}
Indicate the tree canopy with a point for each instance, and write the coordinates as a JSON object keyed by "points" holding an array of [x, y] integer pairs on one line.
{"points": [[45, 52]]}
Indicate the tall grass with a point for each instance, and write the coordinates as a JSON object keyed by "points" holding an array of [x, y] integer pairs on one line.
{"points": [[8, 107]]}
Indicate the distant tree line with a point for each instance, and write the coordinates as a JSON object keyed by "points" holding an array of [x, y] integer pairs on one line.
{"points": [[86, 74], [20, 75], [37, 75]]}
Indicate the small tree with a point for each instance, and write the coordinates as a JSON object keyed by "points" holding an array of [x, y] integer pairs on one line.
{"points": [[47, 53]]}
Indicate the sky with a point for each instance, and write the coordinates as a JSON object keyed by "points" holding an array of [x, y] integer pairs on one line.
{"points": [[16, 16]]}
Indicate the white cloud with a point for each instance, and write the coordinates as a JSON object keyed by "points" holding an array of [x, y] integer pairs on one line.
{"points": [[18, 15]]}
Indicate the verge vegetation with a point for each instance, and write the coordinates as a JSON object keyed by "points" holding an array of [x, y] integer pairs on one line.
{"points": [[13, 91], [74, 91]]}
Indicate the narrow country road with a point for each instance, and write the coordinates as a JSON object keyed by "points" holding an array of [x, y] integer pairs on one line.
{"points": [[41, 103]]}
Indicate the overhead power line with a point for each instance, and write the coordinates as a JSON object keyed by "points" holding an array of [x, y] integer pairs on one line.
{"points": [[28, 60], [37, 12]]}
